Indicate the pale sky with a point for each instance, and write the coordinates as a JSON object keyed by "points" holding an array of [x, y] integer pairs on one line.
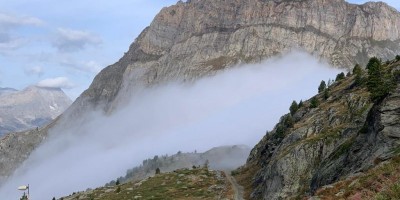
{"points": [[66, 43]]}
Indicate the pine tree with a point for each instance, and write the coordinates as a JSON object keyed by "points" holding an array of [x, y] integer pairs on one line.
{"points": [[293, 108], [380, 80], [314, 102], [322, 87], [398, 58], [358, 72], [158, 171], [340, 77], [301, 104], [326, 94]]}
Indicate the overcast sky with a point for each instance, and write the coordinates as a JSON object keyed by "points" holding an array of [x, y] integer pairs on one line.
{"points": [[66, 43]]}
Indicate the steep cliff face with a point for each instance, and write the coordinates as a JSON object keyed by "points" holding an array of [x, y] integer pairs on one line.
{"points": [[346, 134], [199, 37]]}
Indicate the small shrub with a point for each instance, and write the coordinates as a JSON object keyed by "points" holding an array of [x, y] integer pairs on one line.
{"points": [[398, 58], [118, 190]]}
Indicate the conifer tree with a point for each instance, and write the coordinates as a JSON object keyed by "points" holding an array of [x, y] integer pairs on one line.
{"points": [[293, 108], [358, 72], [322, 87], [314, 102], [380, 80], [340, 77]]}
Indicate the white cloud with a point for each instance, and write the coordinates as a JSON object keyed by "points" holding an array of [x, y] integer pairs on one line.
{"points": [[74, 40], [58, 82], [9, 39], [36, 71], [11, 21]]}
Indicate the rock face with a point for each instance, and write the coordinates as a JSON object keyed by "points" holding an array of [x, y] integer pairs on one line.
{"points": [[33, 107], [199, 37], [346, 134]]}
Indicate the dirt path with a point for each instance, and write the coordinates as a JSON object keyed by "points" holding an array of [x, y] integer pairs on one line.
{"points": [[238, 190]]}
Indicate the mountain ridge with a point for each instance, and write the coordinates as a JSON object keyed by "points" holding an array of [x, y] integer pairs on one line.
{"points": [[30, 108], [194, 39], [200, 37]]}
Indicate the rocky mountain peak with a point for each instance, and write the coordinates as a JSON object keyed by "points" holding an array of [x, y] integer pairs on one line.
{"points": [[197, 38], [32, 107]]}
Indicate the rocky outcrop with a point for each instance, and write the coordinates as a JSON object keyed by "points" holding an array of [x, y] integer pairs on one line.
{"points": [[197, 38], [30, 108], [346, 134]]}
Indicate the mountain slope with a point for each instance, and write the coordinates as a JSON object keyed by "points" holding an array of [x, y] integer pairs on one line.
{"points": [[7, 91], [199, 37], [181, 184], [345, 134], [225, 158], [33, 107]]}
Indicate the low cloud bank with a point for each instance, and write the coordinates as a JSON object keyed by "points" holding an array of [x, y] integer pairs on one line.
{"points": [[236, 106]]}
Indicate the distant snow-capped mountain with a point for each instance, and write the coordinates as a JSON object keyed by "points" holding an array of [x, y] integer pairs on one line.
{"points": [[31, 107]]}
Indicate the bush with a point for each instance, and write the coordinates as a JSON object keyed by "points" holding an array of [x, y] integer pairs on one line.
{"points": [[398, 57], [158, 171], [118, 190]]}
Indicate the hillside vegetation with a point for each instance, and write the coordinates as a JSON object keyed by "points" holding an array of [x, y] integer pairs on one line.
{"points": [[184, 184], [348, 128]]}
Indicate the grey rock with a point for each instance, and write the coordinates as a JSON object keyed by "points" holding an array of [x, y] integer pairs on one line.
{"points": [[200, 37], [31, 108], [303, 161]]}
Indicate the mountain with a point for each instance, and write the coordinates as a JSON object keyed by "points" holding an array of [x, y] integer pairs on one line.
{"points": [[225, 158], [30, 108], [336, 135], [7, 91], [185, 184], [176, 172], [197, 38]]}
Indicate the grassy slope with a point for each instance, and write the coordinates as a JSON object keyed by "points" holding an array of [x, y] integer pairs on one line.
{"points": [[180, 184], [381, 182]]}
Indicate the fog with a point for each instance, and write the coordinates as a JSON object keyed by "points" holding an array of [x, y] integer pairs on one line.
{"points": [[235, 106]]}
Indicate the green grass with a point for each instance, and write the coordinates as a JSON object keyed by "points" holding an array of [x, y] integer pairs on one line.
{"points": [[181, 184]]}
